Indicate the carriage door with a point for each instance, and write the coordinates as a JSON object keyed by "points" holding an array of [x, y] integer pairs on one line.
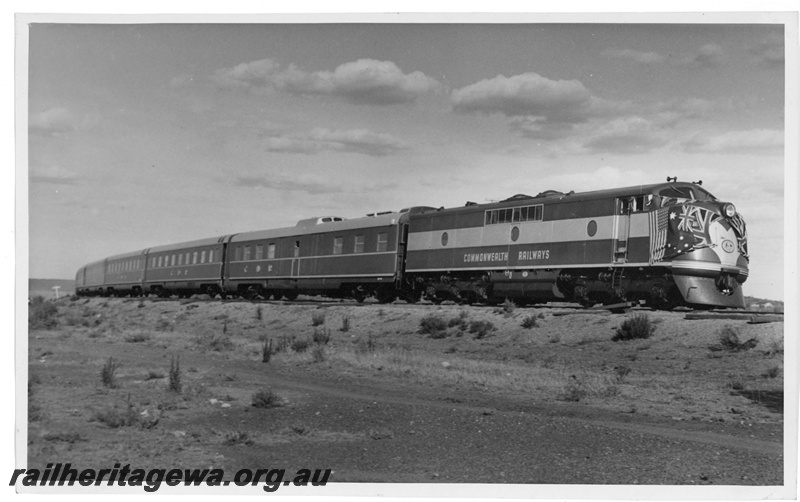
{"points": [[402, 240], [622, 225], [296, 259]]}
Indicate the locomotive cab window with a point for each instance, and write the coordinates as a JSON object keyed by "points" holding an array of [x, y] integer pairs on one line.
{"points": [[296, 249]]}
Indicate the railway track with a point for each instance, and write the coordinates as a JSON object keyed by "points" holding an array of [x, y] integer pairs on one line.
{"points": [[754, 316]]}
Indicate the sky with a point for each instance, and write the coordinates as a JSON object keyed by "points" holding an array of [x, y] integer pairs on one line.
{"points": [[147, 134]]}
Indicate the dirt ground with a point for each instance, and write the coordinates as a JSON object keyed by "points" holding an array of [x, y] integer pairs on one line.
{"points": [[498, 395]]}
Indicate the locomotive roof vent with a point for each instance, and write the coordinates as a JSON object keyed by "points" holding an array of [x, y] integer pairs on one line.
{"points": [[318, 220], [519, 196], [549, 194], [372, 215], [417, 209]]}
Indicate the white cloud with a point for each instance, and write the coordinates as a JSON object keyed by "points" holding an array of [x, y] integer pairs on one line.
{"points": [[55, 121], [365, 81], [635, 56], [54, 175], [770, 52], [707, 56], [527, 94], [317, 140], [757, 141]]}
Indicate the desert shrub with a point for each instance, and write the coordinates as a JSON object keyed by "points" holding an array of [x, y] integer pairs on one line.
{"points": [[621, 372], [217, 343], [432, 325], [728, 338], [238, 437], [318, 353], [154, 375], [300, 345], [265, 399], [321, 337], [574, 390], [42, 314], [481, 328], [266, 350], [300, 429], [318, 318], [530, 322], [284, 343], [635, 327], [509, 307], [138, 337], [66, 437], [259, 313], [116, 418], [345, 324], [460, 322], [772, 372], [108, 374], [175, 384], [365, 346]]}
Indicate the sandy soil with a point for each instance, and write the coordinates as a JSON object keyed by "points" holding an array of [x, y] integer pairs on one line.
{"points": [[486, 400]]}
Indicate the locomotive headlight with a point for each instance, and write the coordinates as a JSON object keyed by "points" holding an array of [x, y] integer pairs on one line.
{"points": [[729, 210]]}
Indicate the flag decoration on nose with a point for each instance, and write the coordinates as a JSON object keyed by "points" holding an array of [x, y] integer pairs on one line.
{"points": [[678, 230]]}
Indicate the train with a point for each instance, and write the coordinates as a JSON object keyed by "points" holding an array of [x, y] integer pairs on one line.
{"points": [[662, 245]]}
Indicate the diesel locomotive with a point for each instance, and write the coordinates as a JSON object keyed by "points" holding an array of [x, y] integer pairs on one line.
{"points": [[664, 245]]}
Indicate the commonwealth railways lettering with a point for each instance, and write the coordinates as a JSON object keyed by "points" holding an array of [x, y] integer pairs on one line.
{"points": [[540, 254], [484, 257]]}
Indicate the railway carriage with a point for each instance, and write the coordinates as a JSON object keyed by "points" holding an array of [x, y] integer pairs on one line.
{"points": [[329, 255], [185, 268]]}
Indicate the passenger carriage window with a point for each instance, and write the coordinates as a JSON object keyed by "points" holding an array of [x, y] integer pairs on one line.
{"points": [[194, 258], [160, 258], [173, 260], [296, 249], [211, 256], [246, 253], [271, 251], [188, 255], [203, 256], [359, 245], [180, 259], [238, 253], [337, 245], [259, 251], [383, 240]]}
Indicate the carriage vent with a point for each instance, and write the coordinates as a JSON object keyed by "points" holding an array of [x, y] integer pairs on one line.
{"points": [[318, 220]]}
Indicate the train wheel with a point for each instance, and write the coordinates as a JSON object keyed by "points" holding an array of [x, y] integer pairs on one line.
{"points": [[412, 296], [359, 294], [386, 296], [291, 295]]}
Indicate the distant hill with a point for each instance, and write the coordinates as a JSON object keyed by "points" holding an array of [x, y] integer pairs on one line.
{"points": [[762, 304], [44, 287]]}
